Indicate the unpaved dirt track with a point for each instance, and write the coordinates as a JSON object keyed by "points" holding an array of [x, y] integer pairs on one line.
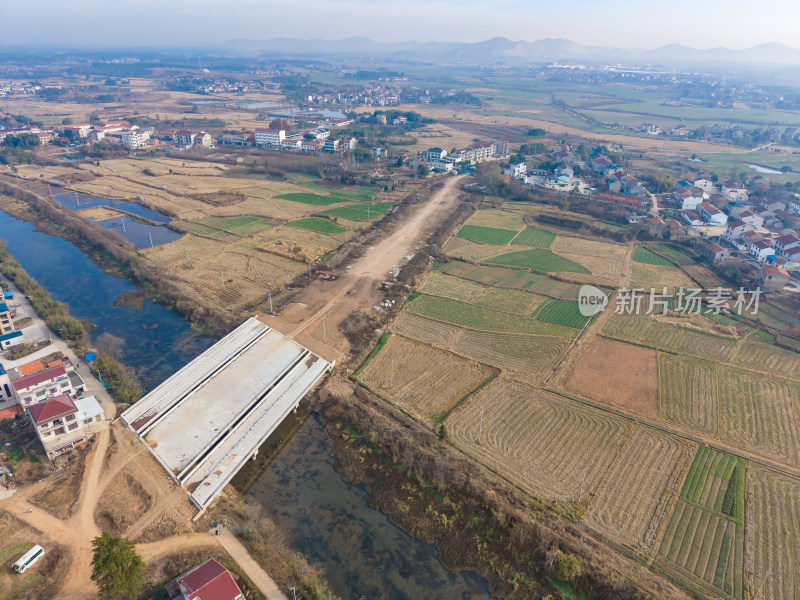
{"points": [[334, 300]]}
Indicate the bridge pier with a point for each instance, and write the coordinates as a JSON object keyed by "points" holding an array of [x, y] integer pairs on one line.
{"points": [[255, 454]]}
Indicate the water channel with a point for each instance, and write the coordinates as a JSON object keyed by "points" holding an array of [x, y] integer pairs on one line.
{"points": [[330, 521]]}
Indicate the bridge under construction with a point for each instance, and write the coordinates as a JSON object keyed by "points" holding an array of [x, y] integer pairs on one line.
{"points": [[204, 422]]}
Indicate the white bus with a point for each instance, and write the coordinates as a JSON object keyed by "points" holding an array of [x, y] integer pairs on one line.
{"points": [[29, 558]]}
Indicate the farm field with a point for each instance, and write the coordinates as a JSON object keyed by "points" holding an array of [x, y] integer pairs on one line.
{"points": [[645, 256], [602, 266], [534, 238], [487, 235], [759, 414], [529, 357], [704, 542], [307, 198], [575, 245], [562, 312], [649, 275], [421, 379], [537, 440], [688, 393], [538, 260], [317, 224], [475, 317], [676, 256], [773, 518], [618, 374], [703, 345], [508, 300], [637, 495], [769, 359], [498, 218]]}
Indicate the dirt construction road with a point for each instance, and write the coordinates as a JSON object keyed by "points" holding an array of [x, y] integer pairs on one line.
{"points": [[327, 302]]}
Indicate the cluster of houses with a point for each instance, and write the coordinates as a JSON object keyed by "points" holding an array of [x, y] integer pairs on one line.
{"points": [[8, 88], [369, 95], [315, 140], [438, 159]]}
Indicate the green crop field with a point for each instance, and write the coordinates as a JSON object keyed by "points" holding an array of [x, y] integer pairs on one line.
{"points": [[317, 224], [310, 199], [643, 255], [562, 312], [674, 255], [538, 260], [237, 225], [353, 213], [769, 359], [206, 231], [477, 317], [486, 235], [535, 238], [704, 541]]}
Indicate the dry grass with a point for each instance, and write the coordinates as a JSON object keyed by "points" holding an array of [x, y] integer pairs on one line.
{"points": [[122, 502], [421, 379]]}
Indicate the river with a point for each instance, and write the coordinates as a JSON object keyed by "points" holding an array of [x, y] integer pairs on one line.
{"points": [[329, 520]]}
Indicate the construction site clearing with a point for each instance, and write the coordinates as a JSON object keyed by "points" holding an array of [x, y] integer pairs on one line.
{"points": [[206, 420]]}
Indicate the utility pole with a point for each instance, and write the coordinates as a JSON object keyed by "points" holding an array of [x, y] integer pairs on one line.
{"points": [[480, 427], [324, 332], [122, 220], [583, 481], [271, 311], [391, 374], [188, 261], [151, 238], [309, 268], [758, 591], [49, 190]]}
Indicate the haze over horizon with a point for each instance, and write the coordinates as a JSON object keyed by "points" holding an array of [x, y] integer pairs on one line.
{"points": [[193, 23]]}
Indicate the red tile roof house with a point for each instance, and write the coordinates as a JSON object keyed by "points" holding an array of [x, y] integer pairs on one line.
{"points": [[55, 420], [42, 385], [209, 581]]}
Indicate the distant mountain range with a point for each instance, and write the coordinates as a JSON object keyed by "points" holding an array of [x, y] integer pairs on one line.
{"points": [[502, 50]]}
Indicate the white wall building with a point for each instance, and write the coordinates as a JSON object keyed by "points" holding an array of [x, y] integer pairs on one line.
{"points": [[270, 137]]}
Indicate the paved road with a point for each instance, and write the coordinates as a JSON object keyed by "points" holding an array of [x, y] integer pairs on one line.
{"points": [[257, 575]]}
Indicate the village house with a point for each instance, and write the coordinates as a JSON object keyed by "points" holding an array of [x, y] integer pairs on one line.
{"points": [[656, 227], [749, 237], [599, 163], [761, 251], [711, 214], [751, 219], [735, 230], [703, 182], [331, 145], [716, 253], [772, 278], [42, 385], [209, 581], [676, 230], [688, 198], [203, 139], [692, 218], [516, 171], [11, 339], [61, 423], [734, 190], [270, 137], [184, 137], [786, 242]]}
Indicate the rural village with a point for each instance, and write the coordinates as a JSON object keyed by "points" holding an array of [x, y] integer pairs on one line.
{"points": [[557, 356]]}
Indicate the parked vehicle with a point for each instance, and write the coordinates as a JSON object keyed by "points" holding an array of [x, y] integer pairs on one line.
{"points": [[30, 558]]}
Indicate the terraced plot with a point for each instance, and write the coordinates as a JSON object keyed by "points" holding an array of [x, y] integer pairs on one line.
{"points": [[612, 268], [496, 276], [317, 224], [645, 256], [237, 225], [501, 219], [513, 301], [769, 359], [530, 357], [626, 327], [585, 247], [676, 256], [704, 542], [773, 518], [534, 238], [758, 413], [358, 212], [660, 335], [688, 392], [314, 199], [562, 312], [538, 260], [205, 231], [539, 441], [421, 379], [467, 315], [703, 345], [647, 275], [486, 235], [639, 492]]}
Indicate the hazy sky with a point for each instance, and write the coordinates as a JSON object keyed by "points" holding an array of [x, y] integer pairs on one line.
{"points": [[621, 23]]}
